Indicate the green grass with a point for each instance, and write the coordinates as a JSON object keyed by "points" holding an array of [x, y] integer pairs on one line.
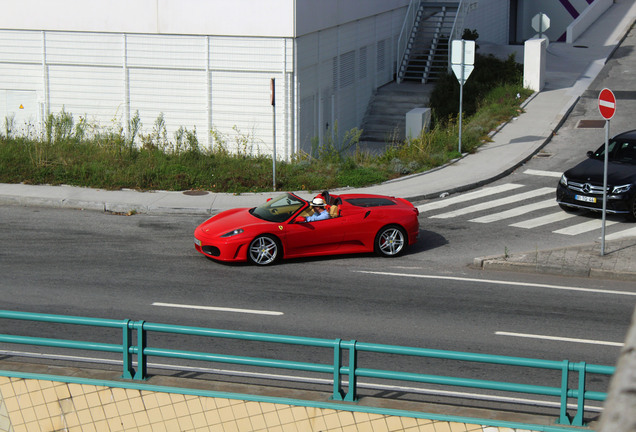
{"points": [[80, 154]]}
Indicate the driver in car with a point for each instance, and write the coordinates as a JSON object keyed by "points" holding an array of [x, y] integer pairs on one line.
{"points": [[320, 212]]}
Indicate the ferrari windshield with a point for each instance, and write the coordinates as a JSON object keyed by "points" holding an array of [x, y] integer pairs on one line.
{"points": [[278, 209], [623, 151]]}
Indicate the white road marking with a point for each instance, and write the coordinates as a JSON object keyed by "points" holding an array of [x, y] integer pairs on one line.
{"points": [[218, 309], [630, 232], [467, 197], [500, 282], [543, 173], [495, 203], [584, 227], [543, 220], [560, 339], [514, 212]]}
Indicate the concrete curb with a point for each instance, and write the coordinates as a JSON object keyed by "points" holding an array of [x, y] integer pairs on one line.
{"points": [[528, 262]]}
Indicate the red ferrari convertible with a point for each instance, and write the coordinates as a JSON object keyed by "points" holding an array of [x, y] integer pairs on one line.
{"points": [[277, 229]]}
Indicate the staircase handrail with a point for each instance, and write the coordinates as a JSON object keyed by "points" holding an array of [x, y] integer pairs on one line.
{"points": [[405, 33]]}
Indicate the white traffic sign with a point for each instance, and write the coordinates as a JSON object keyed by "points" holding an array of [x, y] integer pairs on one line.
{"points": [[467, 69], [462, 58], [540, 22], [607, 103], [463, 52]]}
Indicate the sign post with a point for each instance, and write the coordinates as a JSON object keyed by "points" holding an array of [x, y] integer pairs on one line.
{"points": [[272, 86], [607, 108], [462, 63]]}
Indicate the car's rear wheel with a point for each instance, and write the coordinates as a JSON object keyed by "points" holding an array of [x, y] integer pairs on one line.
{"points": [[390, 241], [264, 250]]}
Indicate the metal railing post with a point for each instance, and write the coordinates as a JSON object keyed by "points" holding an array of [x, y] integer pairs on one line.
{"points": [[565, 371], [126, 350], [353, 364], [337, 364], [142, 361], [580, 405]]}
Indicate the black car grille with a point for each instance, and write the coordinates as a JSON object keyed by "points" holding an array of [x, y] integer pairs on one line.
{"points": [[211, 250], [587, 188]]}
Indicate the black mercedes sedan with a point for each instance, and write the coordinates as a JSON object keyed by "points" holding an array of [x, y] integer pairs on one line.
{"points": [[582, 185]]}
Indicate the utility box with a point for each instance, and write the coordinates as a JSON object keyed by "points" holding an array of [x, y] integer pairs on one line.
{"points": [[417, 120], [534, 54]]}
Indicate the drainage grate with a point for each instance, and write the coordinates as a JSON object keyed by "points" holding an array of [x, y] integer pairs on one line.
{"points": [[195, 192], [589, 124], [543, 155]]}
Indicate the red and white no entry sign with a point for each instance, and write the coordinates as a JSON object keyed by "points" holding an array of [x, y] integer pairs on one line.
{"points": [[607, 103]]}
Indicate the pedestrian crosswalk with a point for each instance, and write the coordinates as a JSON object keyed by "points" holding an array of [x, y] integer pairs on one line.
{"points": [[521, 206]]}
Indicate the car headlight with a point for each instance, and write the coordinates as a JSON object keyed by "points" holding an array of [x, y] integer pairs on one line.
{"points": [[233, 233], [564, 180], [621, 189]]}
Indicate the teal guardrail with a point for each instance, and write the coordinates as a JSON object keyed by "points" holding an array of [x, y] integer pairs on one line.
{"points": [[138, 346]]}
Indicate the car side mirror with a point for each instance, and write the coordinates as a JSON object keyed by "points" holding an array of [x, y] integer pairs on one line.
{"points": [[590, 153]]}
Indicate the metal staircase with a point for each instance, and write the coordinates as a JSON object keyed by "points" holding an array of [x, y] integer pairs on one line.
{"points": [[423, 55]]}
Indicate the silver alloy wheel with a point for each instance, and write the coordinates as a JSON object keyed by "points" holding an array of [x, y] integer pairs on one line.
{"points": [[263, 250], [390, 241]]}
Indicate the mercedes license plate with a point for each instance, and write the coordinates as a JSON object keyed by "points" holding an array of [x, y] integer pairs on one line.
{"points": [[585, 198]]}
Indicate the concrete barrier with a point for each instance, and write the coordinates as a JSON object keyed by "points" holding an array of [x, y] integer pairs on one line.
{"points": [[534, 57], [586, 19]]}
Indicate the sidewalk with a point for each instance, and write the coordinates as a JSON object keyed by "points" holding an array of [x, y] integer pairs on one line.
{"points": [[569, 72]]}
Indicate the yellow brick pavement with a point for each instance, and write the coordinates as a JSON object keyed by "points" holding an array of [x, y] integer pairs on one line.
{"points": [[30, 405]]}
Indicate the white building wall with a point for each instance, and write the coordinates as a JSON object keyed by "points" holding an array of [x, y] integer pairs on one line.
{"points": [[490, 18], [196, 82], [21, 74]]}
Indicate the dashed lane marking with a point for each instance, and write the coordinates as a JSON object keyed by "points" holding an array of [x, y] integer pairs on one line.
{"points": [[218, 309], [559, 339]]}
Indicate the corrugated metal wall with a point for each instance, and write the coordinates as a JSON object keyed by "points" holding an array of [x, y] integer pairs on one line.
{"points": [[200, 82]]}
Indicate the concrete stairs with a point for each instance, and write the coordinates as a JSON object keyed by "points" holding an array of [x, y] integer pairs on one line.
{"points": [[385, 120]]}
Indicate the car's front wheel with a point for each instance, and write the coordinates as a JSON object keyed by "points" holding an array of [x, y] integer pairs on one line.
{"points": [[264, 250], [390, 241]]}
